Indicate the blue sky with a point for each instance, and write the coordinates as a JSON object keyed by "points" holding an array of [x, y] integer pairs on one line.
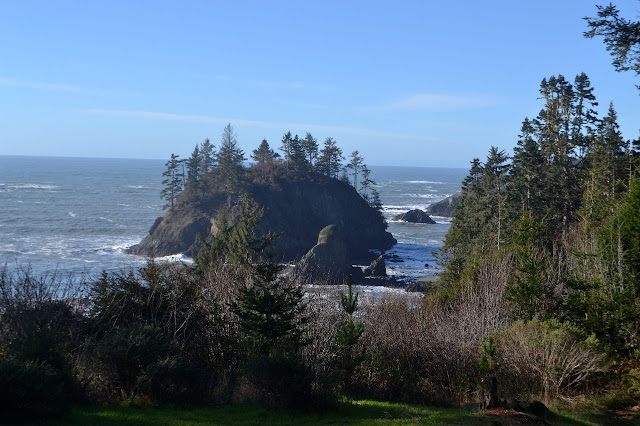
{"points": [[421, 83]]}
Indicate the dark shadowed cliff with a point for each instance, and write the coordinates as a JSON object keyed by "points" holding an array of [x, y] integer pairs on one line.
{"points": [[297, 209]]}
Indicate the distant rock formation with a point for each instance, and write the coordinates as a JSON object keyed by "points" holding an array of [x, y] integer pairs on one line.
{"points": [[446, 207], [296, 209], [329, 259], [415, 216], [377, 268]]}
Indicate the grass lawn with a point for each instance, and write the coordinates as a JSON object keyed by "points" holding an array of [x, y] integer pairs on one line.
{"points": [[345, 413]]}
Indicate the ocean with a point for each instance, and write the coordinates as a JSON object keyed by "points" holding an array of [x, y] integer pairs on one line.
{"points": [[77, 215]]}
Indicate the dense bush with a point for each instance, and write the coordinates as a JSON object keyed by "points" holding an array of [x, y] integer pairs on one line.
{"points": [[119, 359], [31, 389]]}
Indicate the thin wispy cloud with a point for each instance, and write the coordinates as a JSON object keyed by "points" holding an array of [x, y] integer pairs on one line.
{"points": [[431, 101], [264, 124], [277, 84], [11, 82]]}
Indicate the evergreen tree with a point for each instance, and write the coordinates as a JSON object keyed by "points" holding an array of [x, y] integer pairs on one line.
{"points": [[621, 37], [329, 162], [526, 189], [299, 163], [285, 147], [207, 156], [270, 313], [310, 148], [585, 117], [230, 157], [606, 175], [366, 183], [173, 183], [265, 159], [235, 243], [193, 168], [348, 334], [495, 171], [355, 165]]}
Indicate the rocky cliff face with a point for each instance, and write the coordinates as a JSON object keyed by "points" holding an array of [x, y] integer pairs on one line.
{"points": [[298, 210], [446, 207]]}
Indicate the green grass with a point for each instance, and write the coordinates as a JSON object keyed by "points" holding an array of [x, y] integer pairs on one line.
{"points": [[344, 413]]}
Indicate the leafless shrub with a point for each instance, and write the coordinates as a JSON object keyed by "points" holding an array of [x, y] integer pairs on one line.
{"points": [[546, 359]]}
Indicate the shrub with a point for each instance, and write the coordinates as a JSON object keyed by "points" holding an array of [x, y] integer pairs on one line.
{"points": [[546, 358], [114, 363], [30, 390], [170, 380], [278, 380]]}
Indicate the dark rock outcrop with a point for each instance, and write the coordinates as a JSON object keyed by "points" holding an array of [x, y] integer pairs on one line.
{"points": [[377, 268], [415, 216], [296, 210], [446, 207], [329, 259]]}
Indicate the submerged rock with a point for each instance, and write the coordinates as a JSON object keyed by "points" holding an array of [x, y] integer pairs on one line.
{"points": [[415, 216]]}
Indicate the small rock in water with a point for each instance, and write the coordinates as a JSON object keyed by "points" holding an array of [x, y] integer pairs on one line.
{"points": [[415, 216]]}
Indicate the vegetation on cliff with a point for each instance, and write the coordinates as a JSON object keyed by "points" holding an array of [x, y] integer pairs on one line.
{"points": [[302, 191], [541, 293]]}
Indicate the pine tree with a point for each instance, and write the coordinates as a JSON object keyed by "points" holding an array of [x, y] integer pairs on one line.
{"points": [[207, 156], [621, 37], [299, 163], [230, 157], [525, 188], [310, 148], [235, 243], [271, 313], [265, 159], [606, 175], [355, 165], [193, 164], [495, 171], [329, 162], [366, 183], [285, 147], [173, 183], [347, 336]]}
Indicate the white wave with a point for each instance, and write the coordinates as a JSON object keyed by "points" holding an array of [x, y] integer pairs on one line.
{"points": [[422, 195], [135, 186], [424, 181], [72, 214], [175, 258], [29, 186], [104, 218]]}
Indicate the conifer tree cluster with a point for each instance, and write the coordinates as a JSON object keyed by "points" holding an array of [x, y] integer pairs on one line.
{"points": [[559, 211], [300, 159]]}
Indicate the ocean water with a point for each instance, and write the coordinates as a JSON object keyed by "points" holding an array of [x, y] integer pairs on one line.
{"points": [[79, 214]]}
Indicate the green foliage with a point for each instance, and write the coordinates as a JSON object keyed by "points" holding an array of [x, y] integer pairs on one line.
{"points": [[173, 182], [230, 174], [347, 336], [170, 380], [487, 362], [30, 390], [265, 159], [279, 380], [329, 162], [270, 314], [621, 37], [356, 166], [235, 243], [119, 359]]}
